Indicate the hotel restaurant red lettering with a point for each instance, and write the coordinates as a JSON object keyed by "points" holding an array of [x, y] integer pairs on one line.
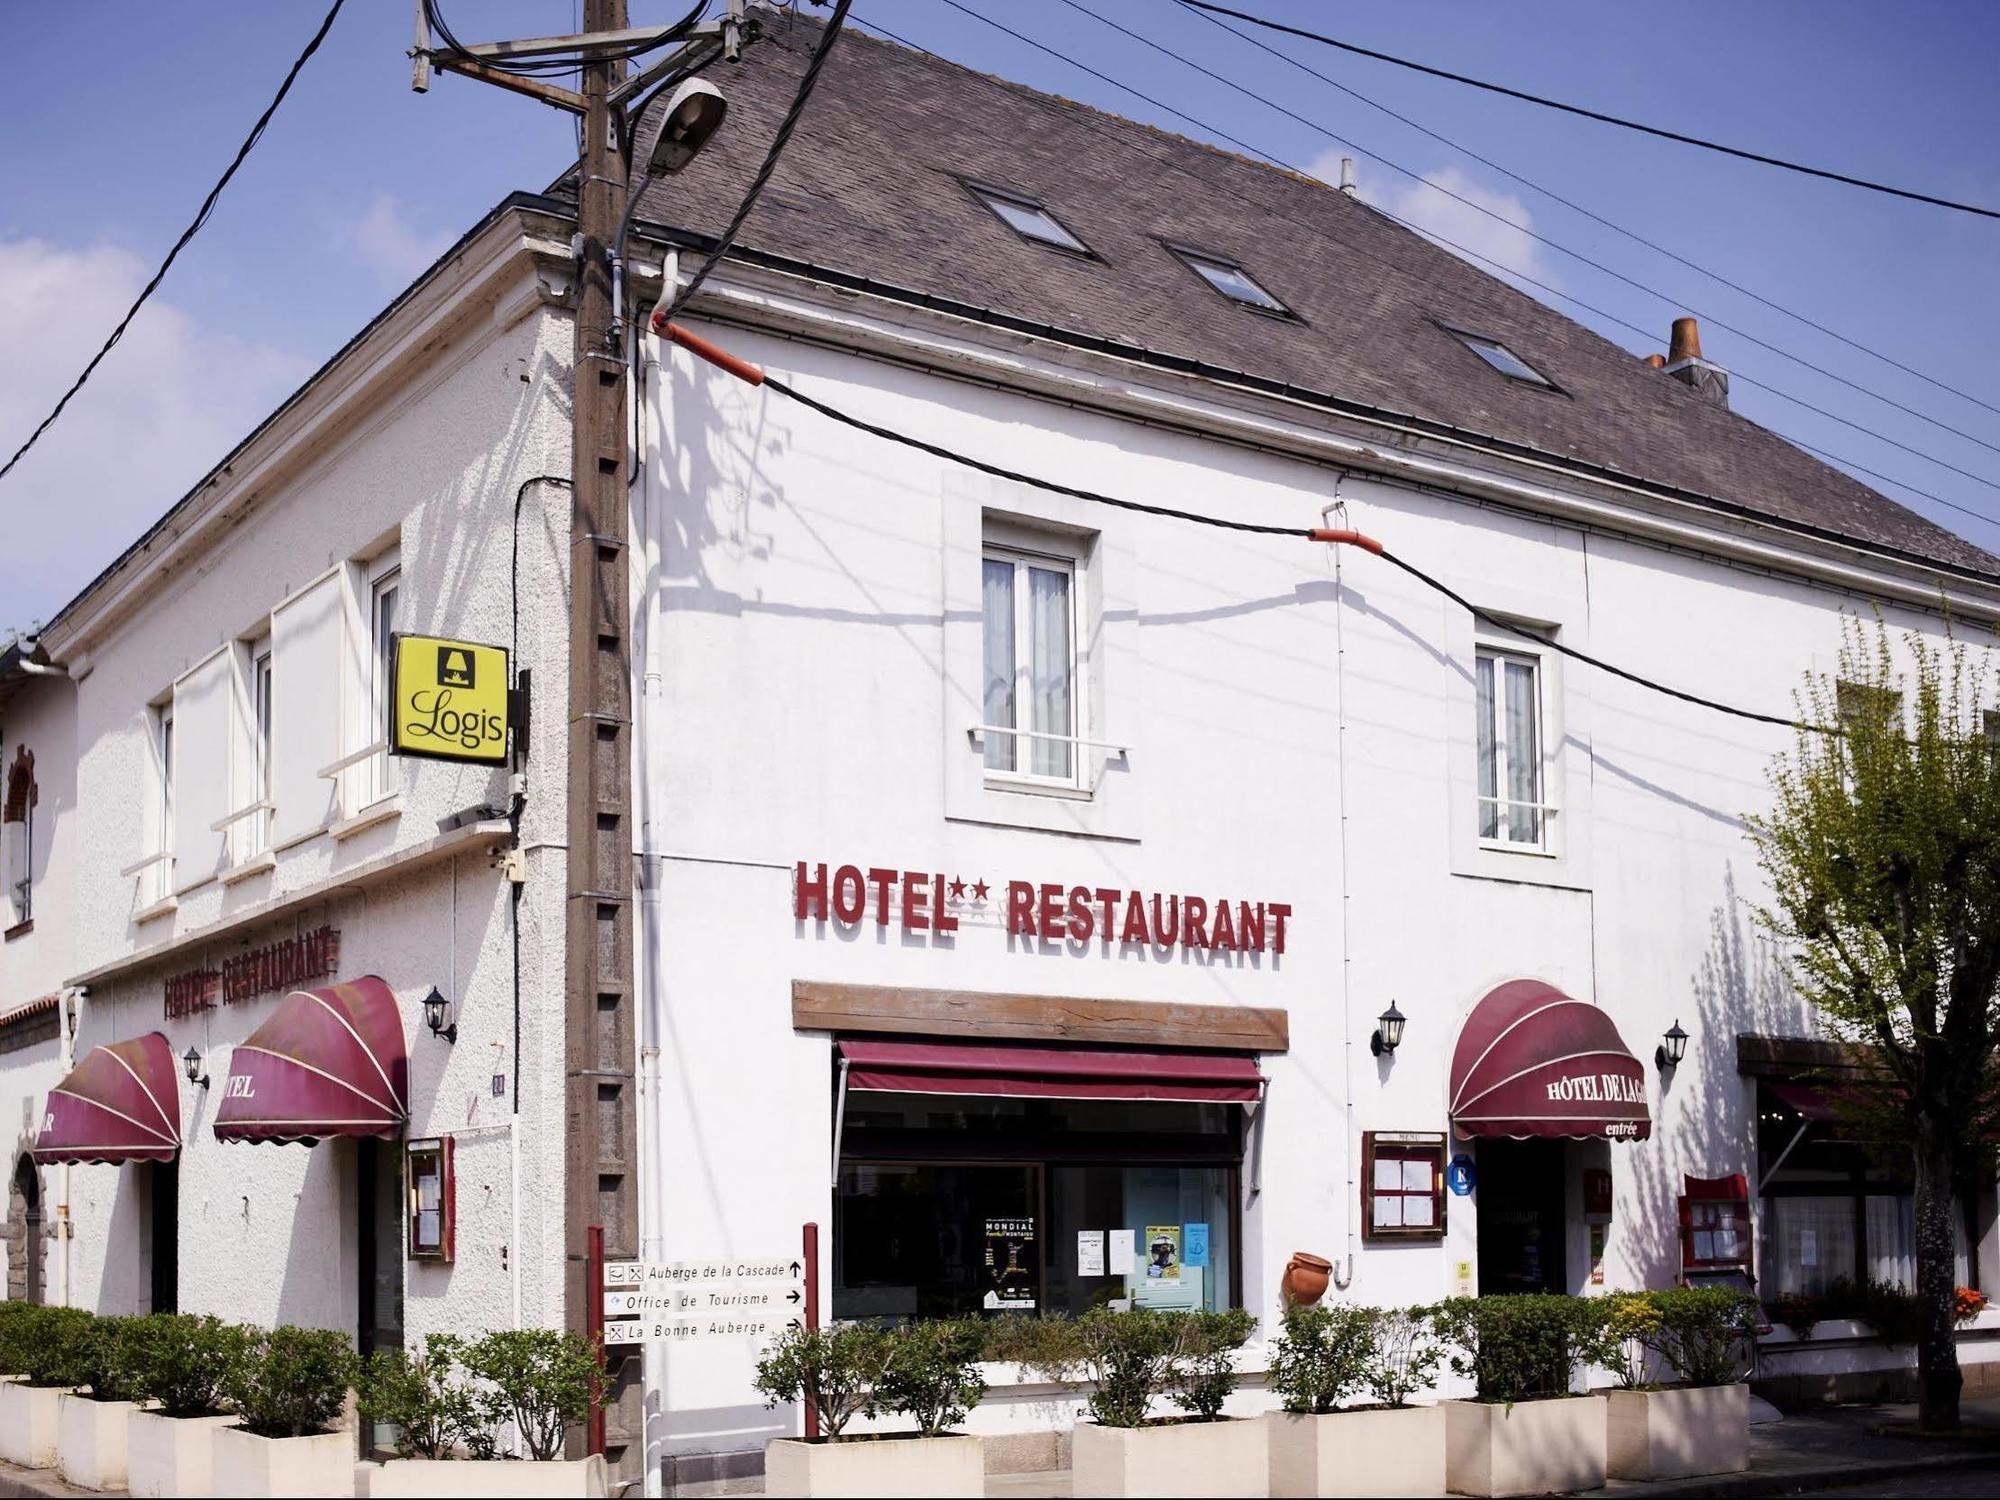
{"points": [[276, 966], [919, 900]]}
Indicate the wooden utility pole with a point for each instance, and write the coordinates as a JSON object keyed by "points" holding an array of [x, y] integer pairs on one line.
{"points": [[600, 1103]]}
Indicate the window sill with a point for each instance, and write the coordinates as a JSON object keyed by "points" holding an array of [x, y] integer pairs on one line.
{"points": [[19, 930], [1067, 791], [256, 864], [165, 906], [381, 810], [1532, 851]]}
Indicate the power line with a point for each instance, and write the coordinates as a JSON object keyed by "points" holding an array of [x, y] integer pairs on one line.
{"points": [[194, 228], [1598, 115], [555, 65], [1617, 228], [1324, 232], [751, 374], [1500, 218], [785, 127]]}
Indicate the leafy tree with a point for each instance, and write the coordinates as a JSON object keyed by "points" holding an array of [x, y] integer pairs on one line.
{"points": [[1882, 848]]}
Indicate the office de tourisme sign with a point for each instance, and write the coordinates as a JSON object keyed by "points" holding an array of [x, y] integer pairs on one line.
{"points": [[927, 901]]}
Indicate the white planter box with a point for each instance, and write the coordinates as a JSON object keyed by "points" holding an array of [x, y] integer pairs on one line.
{"points": [[90, 1441], [420, 1478], [1530, 1448], [171, 1455], [863, 1467], [1673, 1434], [28, 1424], [1393, 1451], [250, 1466], [1176, 1459]]}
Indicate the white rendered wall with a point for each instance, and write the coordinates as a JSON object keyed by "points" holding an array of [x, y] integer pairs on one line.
{"points": [[813, 603], [433, 466]]}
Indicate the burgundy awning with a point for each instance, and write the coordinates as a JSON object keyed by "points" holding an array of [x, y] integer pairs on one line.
{"points": [[121, 1103], [1532, 1061], [1015, 1072], [327, 1062]]}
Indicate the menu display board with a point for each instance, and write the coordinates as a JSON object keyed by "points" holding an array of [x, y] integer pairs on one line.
{"points": [[1402, 1184]]}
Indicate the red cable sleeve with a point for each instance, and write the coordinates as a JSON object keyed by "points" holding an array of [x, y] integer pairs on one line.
{"points": [[1350, 538], [696, 345]]}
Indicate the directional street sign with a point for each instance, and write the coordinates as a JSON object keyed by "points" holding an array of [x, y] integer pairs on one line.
{"points": [[727, 1297], [681, 1330]]}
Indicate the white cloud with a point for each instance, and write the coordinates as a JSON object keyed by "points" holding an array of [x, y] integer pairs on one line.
{"points": [[1443, 217], [390, 245], [163, 408]]}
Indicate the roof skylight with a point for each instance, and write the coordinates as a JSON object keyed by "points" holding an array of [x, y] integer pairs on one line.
{"points": [[1230, 279], [1029, 219], [1503, 359]]}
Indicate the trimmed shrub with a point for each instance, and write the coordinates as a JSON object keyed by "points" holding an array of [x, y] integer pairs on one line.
{"points": [[51, 1346], [832, 1370], [1128, 1356], [180, 1361], [1403, 1354], [1702, 1332], [433, 1409], [1798, 1312], [542, 1380], [1632, 1321], [15, 1336], [1320, 1354], [1519, 1348], [1202, 1371], [1030, 1343], [289, 1382], [103, 1359], [928, 1373]]}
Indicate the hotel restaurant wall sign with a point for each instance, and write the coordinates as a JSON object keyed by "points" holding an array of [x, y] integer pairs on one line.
{"points": [[283, 965], [925, 901]]}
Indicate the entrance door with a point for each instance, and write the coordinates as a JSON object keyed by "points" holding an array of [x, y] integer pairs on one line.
{"points": [[381, 1245], [163, 1187], [1521, 1218], [28, 1193]]}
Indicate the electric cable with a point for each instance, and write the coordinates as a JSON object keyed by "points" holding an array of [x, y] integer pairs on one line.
{"points": [[1591, 114], [194, 228], [1613, 225], [1404, 271], [807, 81], [556, 64], [1474, 204], [743, 370]]}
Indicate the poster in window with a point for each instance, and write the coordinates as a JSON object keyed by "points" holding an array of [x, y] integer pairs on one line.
{"points": [[1090, 1252], [1417, 1212], [1388, 1210], [1124, 1258], [1010, 1263], [1194, 1248], [1163, 1252]]}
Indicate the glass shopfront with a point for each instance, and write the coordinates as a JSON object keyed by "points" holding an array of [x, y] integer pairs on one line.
{"points": [[956, 1205]]}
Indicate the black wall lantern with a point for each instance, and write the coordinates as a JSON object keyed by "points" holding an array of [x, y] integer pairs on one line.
{"points": [[1388, 1031], [1670, 1051], [437, 1016], [191, 1063]]}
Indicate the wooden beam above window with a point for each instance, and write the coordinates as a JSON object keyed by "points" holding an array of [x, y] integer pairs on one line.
{"points": [[868, 1009]]}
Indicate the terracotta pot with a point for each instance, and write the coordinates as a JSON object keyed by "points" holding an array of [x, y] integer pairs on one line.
{"points": [[1305, 1278]]}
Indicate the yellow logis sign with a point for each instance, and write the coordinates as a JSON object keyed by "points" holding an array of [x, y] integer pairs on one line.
{"points": [[450, 699]]}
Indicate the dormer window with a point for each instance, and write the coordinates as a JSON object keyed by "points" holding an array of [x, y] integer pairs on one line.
{"points": [[1499, 357], [1028, 219], [1230, 279]]}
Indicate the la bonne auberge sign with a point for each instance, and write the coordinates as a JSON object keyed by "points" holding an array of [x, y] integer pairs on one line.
{"points": [[925, 901]]}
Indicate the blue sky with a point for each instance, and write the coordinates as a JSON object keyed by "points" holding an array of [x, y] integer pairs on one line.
{"points": [[131, 110]]}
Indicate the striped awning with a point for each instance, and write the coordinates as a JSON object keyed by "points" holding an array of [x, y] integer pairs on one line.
{"points": [[328, 1062], [121, 1103], [1532, 1061]]}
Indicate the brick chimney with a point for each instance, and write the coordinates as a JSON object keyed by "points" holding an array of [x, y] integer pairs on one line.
{"points": [[1685, 364]]}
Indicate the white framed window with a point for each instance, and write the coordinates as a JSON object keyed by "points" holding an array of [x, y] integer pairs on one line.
{"points": [[385, 583], [1512, 810], [17, 838], [253, 833], [1031, 683], [156, 877], [1028, 219]]}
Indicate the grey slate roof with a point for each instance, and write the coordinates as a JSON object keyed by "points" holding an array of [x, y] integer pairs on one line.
{"points": [[871, 186]]}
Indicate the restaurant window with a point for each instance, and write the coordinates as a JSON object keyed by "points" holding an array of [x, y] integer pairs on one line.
{"points": [[1838, 1210], [1511, 810], [952, 1206], [1030, 712]]}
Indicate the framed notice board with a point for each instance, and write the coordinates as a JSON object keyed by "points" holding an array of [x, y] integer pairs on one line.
{"points": [[1402, 1185]]}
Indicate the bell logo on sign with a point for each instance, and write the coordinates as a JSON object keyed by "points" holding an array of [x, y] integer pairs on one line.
{"points": [[450, 700]]}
